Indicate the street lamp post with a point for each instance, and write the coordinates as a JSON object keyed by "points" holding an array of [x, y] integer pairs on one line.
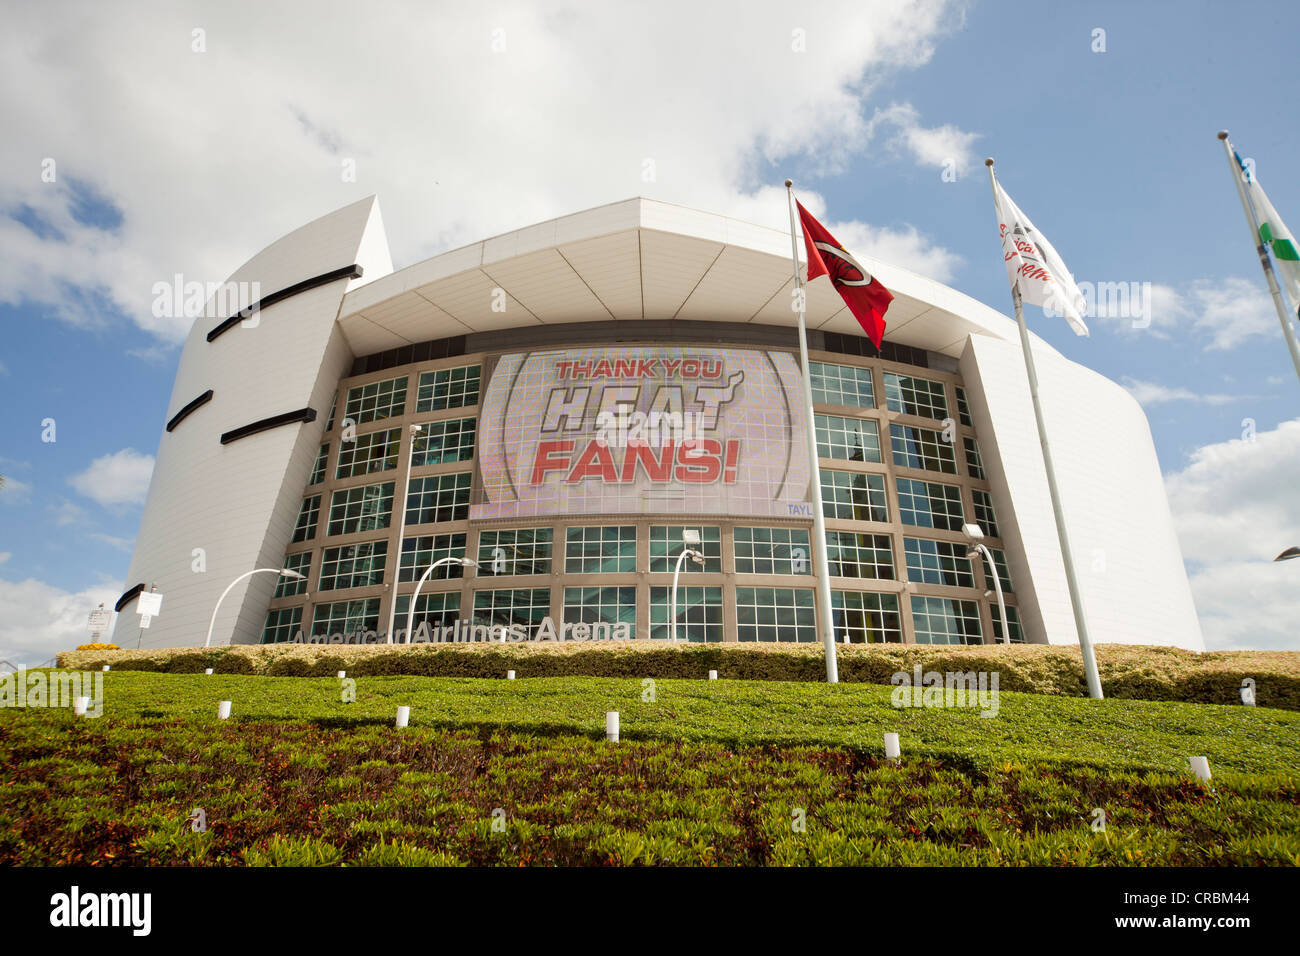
{"points": [[410, 611], [1288, 554], [689, 538], [401, 533], [974, 534], [281, 571]]}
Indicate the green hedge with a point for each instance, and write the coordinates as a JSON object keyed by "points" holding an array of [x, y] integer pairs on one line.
{"points": [[1146, 673]]}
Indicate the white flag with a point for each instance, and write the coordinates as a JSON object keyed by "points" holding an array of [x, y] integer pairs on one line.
{"points": [[1035, 266]]}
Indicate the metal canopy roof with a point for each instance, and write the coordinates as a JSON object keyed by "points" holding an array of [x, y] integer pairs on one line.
{"points": [[640, 259]]}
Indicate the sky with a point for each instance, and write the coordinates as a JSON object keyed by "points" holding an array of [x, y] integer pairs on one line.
{"points": [[152, 140]]}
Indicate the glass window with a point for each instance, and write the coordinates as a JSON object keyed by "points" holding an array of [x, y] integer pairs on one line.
{"points": [[418, 555], [613, 605], [974, 464], [841, 385], [775, 614], [522, 606], [366, 454], [853, 555], [334, 404], [367, 508], [666, 545], [448, 388], [287, 586], [984, 516], [308, 515], [435, 499], [921, 448], [937, 562], [282, 625], [853, 496], [353, 566], [434, 608], [963, 409], [866, 618], [945, 620], [699, 613], [1000, 561], [772, 551], [848, 439], [909, 395], [600, 550], [377, 401], [928, 504], [322, 459], [441, 442], [346, 617], [512, 551], [1013, 623]]}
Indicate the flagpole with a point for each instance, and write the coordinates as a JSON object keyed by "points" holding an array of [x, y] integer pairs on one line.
{"points": [[822, 570], [1071, 578], [1283, 316]]}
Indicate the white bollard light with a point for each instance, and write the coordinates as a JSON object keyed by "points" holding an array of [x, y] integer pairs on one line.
{"points": [[403, 716], [79, 705], [510, 675], [713, 675], [223, 710], [108, 667], [208, 671], [611, 726], [1201, 767], [892, 750], [343, 675]]}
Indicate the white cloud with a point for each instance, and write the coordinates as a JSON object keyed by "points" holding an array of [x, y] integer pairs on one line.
{"points": [[40, 620], [120, 478], [1219, 313], [5, 556], [67, 513], [458, 141], [121, 544], [1235, 508], [1153, 393], [15, 492], [936, 146]]}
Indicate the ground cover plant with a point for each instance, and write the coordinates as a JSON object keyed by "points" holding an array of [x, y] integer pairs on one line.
{"points": [[708, 772]]}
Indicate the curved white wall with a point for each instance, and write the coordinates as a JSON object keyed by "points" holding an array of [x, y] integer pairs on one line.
{"points": [[1121, 530], [239, 502]]}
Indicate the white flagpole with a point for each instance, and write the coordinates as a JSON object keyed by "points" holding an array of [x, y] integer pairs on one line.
{"points": [[822, 570], [1071, 579], [1283, 316]]}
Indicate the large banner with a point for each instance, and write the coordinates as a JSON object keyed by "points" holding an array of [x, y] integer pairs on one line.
{"points": [[619, 430]]}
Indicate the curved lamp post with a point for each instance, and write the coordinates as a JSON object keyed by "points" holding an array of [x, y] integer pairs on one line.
{"points": [[689, 538], [973, 534], [410, 611], [282, 571]]}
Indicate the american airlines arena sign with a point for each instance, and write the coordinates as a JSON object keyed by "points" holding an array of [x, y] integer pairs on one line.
{"points": [[626, 430], [477, 632]]}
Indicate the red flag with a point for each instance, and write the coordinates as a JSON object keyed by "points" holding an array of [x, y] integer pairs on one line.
{"points": [[866, 298]]}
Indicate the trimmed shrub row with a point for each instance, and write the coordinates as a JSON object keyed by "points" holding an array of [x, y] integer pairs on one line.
{"points": [[1130, 672]]}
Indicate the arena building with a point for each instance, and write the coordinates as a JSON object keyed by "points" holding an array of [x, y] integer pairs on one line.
{"points": [[589, 389]]}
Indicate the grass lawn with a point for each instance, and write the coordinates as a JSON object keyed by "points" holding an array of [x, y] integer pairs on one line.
{"points": [[725, 772]]}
